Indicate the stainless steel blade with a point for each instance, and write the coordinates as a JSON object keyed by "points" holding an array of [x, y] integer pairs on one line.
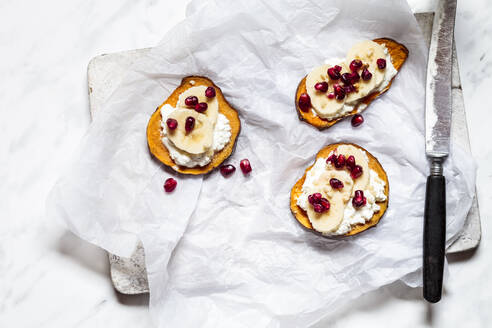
{"points": [[438, 87]]}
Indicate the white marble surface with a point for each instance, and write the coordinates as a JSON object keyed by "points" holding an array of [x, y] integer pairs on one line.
{"points": [[49, 278]]}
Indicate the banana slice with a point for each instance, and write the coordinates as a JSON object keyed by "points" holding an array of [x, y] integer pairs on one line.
{"points": [[322, 105], [330, 220], [368, 52], [199, 91], [199, 140], [360, 159], [324, 182]]}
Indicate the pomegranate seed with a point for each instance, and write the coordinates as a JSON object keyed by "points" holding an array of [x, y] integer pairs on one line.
{"points": [[304, 102], [339, 92], [227, 170], [201, 107], [319, 203], [340, 161], [357, 120], [170, 184], [381, 63], [336, 184], [172, 123], [350, 78], [354, 77], [189, 124], [355, 65], [346, 78], [325, 203], [337, 68], [331, 159], [210, 92], [191, 101], [245, 166], [331, 95], [366, 75], [350, 162], [349, 88], [321, 86], [318, 208], [316, 197], [334, 73], [356, 172], [359, 200]]}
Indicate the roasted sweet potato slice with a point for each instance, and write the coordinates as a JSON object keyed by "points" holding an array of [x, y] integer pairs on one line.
{"points": [[160, 152], [398, 53], [296, 191]]}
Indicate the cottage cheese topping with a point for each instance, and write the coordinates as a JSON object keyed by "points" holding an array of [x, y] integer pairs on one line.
{"points": [[374, 193], [221, 136], [331, 108]]}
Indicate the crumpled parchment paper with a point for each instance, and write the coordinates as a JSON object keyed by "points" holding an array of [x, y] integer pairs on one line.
{"points": [[227, 252]]}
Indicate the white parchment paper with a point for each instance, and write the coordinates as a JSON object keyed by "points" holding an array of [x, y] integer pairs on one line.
{"points": [[227, 252]]}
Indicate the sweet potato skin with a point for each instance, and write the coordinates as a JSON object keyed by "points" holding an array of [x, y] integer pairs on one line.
{"points": [[159, 151], [301, 215], [398, 53]]}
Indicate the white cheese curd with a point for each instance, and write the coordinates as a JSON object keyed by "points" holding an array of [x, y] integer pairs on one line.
{"points": [[222, 134], [351, 216], [390, 70]]}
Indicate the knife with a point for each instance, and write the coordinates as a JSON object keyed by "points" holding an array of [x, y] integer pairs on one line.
{"points": [[437, 132]]}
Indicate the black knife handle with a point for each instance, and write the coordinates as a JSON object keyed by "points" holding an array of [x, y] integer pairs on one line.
{"points": [[434, 237]]}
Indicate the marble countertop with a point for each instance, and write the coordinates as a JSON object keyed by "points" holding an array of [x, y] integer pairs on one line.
{"points": [[50, 278]]}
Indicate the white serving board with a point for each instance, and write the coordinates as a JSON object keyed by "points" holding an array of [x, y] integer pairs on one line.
{"points": [[104, 74]]}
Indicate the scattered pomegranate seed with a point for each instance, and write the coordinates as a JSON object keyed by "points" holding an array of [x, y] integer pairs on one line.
{"points": [[331, 159], [340, 161], [336, 184], [325, 203], [381, 63], [359, 200], [356, 172], [350, 162], [304, 102], [357, 120], [227, 170], [171, 123], [191, 101], [210, 92], [201, 107], [366, 75], [189, 124], [331, 95], [337, 68], [339, 92], [334, 73], [170, 184], [245, 166], [355, 65], [321, 86]]}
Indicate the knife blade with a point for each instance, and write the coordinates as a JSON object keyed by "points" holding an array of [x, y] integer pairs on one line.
{"points": [[438, 85], [438, 106]]}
